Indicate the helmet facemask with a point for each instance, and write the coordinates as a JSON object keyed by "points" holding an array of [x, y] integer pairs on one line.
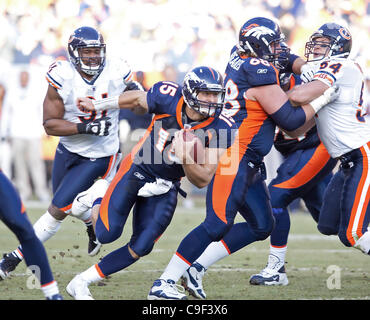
{"points": [[311, 55], [206, 108], [90, 65]]}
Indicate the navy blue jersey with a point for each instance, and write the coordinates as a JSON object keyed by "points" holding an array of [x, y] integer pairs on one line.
{"points": [[256, 128], [166, 102], [286, 144]]}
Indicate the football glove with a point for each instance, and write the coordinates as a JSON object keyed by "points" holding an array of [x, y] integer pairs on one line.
{"points": [[308, 70], [134, 85], [98, 127]]}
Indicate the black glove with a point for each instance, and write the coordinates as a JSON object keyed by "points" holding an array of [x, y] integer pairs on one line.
{"points": [[134, 85], [98, 127]]}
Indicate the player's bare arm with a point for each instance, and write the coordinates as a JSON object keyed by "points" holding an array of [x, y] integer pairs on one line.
{"points": [[305, 93], [135, 100], [53, 113]]}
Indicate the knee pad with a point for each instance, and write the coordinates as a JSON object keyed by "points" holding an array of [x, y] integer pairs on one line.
{"points": [[142, 251], [326, 230], [262, 234], [217, 229], [106, 236]]}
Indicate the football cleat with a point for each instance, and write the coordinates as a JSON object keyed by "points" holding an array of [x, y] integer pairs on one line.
{"points": [[78, 289], [166, 290], [55, 297], [273, 274], [191, 280], [85, 199], [94, 244], [8, 264]]}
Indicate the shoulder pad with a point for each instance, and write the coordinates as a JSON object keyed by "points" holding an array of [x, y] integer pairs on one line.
{"points": [[120, 69], [162, 95], [330, 70], [260, 72], [59, 71]]}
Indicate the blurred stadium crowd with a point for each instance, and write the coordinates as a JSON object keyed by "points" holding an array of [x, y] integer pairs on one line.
{"points": [[160, 39]]}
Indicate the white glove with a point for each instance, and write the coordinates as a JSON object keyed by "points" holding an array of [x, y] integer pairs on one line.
{"points": [[328, 96], [308, 70]]}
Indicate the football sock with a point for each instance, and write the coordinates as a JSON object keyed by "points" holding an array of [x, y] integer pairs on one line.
{"points": [[93, 274], [279, 252], [46, 226], [214, 252], [190, 248], [50, 289], [175, 268]]}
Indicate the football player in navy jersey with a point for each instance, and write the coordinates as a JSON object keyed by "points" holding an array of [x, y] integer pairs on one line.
{"points": [[257, 103], [304, 174], [13, 214], [149, 177]]}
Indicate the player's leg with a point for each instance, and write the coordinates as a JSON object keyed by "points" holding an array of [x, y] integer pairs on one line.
{"points": [[258, 214], [114, 209], [13, 214], [66, 186], [329, 218], [301, 175], [225, 195], [355, 210]]}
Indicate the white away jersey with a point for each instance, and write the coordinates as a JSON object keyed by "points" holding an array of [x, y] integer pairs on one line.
{"points": [[70, 85], [343, 125]]}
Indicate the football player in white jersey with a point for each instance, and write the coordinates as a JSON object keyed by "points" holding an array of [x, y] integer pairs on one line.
{"points": [[89, 141], [344, 128]]}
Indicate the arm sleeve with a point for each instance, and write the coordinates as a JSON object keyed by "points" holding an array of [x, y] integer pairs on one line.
{"points": [[288, 117]]}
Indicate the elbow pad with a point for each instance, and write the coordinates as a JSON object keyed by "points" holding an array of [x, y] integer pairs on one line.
{"points": [[288, 117]]}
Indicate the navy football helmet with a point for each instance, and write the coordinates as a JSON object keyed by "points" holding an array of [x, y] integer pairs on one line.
{"points": [[86, 37], [263, 38], [208, 80], [340, 43]]}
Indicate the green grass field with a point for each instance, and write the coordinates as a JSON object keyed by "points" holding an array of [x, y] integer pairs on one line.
{"points": [[310, 258]]}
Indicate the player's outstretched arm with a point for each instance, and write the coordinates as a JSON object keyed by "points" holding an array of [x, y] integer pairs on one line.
{"points": [[134, 100]]}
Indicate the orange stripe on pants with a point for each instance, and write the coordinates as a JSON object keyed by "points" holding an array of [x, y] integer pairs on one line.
{"points": [[125, 166], [356, 210], [311, 169]]}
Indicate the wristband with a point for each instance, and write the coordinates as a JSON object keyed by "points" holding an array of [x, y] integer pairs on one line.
{"points": [[318, 103], [81, 127], [106, 104]]}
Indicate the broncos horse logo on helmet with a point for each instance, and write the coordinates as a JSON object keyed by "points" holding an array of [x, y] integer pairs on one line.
{"points": [[86, 37], [263, 38], [339, 45], [208, 80]]}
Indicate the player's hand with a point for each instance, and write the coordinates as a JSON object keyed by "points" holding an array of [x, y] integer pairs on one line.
{"points": [[308, 71], [331, 94], [98, 127], [328, 96], [85, 104], [181, 148], [134, 85]]}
